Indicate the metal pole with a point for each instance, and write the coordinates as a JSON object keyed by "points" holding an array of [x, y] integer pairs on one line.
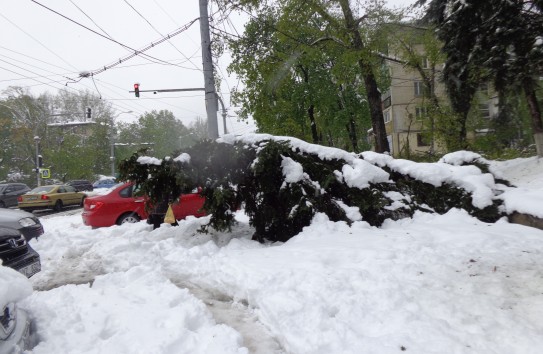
{"points": [[37, 141], [112, 157], [209, 78], [223, 114]]}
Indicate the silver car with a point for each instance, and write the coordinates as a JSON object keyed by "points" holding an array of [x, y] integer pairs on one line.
{"points": [[16, 332], [27, 223]]}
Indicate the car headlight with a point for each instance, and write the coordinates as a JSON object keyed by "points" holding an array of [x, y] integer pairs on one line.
{"points": [[27, 222]]}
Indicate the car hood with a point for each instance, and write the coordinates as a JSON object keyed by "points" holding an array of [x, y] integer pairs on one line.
{"points": [[13, 215]]}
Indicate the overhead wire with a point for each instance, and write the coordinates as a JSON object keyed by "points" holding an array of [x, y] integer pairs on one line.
{"points": [[157, 31], [37, 41], [136, 52]]}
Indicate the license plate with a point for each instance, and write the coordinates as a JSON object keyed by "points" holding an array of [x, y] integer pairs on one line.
{"points": [[31, 269], [32, 198]]}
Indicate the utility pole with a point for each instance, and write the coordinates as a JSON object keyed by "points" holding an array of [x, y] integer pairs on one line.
{"points": [[209, 78]]}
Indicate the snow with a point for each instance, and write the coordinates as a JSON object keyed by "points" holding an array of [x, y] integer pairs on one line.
{"points": [[428, 284], [183, 158], [148, 160]]}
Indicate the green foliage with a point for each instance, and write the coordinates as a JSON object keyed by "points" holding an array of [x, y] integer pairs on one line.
{"points": [[302, 75]]}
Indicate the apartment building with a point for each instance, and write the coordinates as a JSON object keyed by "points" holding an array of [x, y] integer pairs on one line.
{"points": [[406, 108]]}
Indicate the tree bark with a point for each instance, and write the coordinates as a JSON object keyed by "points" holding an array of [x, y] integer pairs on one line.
{"points": [[535, 112], [314, 133], [372, 91]]}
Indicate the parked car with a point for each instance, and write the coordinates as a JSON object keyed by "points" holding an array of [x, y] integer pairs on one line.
{"points": [[9, 193], [16, 253], [105, 183], [51, 197], [26, 223], [16, 332], [81, 185], [121, 206]]}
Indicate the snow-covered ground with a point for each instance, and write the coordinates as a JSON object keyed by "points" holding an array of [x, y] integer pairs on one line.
{"points": [[431, 284]]}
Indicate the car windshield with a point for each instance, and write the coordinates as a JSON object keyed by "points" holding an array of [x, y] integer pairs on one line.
{"points": [[2, 188], [42, 190]]}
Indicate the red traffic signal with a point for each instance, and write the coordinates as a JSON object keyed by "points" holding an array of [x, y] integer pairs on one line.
{"points": [[137, 90]]}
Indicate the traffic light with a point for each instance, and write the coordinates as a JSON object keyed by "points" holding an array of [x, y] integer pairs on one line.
{"points": [[40, 161], [137, 90], [88, 112]]}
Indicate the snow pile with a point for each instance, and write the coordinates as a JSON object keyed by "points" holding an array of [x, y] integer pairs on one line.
{"points": [[431, 284], [137, 311], [13, 286]]}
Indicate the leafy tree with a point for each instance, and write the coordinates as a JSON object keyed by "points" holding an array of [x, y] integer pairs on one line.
{"points": [[498, 40], [307, 65], [159, 130]]}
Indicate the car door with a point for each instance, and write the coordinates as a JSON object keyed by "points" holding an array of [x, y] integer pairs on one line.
{"points": [[129, 201], [189, 204], [10, 196], [70, 196]]}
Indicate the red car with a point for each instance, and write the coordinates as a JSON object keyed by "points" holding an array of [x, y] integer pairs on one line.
{"points": [[120, 206]]}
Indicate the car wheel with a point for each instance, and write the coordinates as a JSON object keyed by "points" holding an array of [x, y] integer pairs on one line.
{"points": [[58, 205], [128, 218], [2, 205]]}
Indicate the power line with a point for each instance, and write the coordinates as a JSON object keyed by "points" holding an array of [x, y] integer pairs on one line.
{"points": [[157, 31], [40, 43], [135, 52]]}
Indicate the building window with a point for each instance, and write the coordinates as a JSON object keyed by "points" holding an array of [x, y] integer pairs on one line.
{"points": [[483, 88], [420, 112], [419, 88], [484, 110], [387, 102], [386, 116], [424, 63], [422, 140]]}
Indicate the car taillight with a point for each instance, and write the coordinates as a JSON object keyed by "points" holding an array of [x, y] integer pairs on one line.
{"points": [[19, 199], [44, 197], [93, 205]]}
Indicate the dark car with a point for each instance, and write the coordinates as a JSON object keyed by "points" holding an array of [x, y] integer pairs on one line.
{"points": [[81, 185], [16, 332], [9, 193], [16, 253], [26, 223]]}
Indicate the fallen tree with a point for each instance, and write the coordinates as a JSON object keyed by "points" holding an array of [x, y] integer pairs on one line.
{"points": [[283, 182]]}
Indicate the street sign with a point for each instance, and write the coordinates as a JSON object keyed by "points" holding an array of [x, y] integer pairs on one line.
{"points": [[45, 173]]}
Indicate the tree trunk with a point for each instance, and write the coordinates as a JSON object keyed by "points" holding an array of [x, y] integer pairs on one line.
{"points": [[535, 112], [372, 91], [314, 133], [351, 130]]}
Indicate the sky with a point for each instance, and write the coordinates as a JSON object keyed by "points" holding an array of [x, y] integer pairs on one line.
{"points": [[427, 284], [43, 51]]}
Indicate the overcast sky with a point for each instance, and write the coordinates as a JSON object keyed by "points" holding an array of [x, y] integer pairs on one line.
{"points": [[44, 51]]}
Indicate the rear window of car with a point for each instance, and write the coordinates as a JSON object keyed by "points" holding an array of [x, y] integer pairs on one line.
{"points": [[44, 189]]}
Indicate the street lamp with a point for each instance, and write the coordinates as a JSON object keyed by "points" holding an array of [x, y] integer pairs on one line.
{"points": [[112, 142], [37, 141]]}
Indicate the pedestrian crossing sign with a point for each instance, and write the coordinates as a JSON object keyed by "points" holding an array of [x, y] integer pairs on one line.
{"points": [[45, 173]]}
